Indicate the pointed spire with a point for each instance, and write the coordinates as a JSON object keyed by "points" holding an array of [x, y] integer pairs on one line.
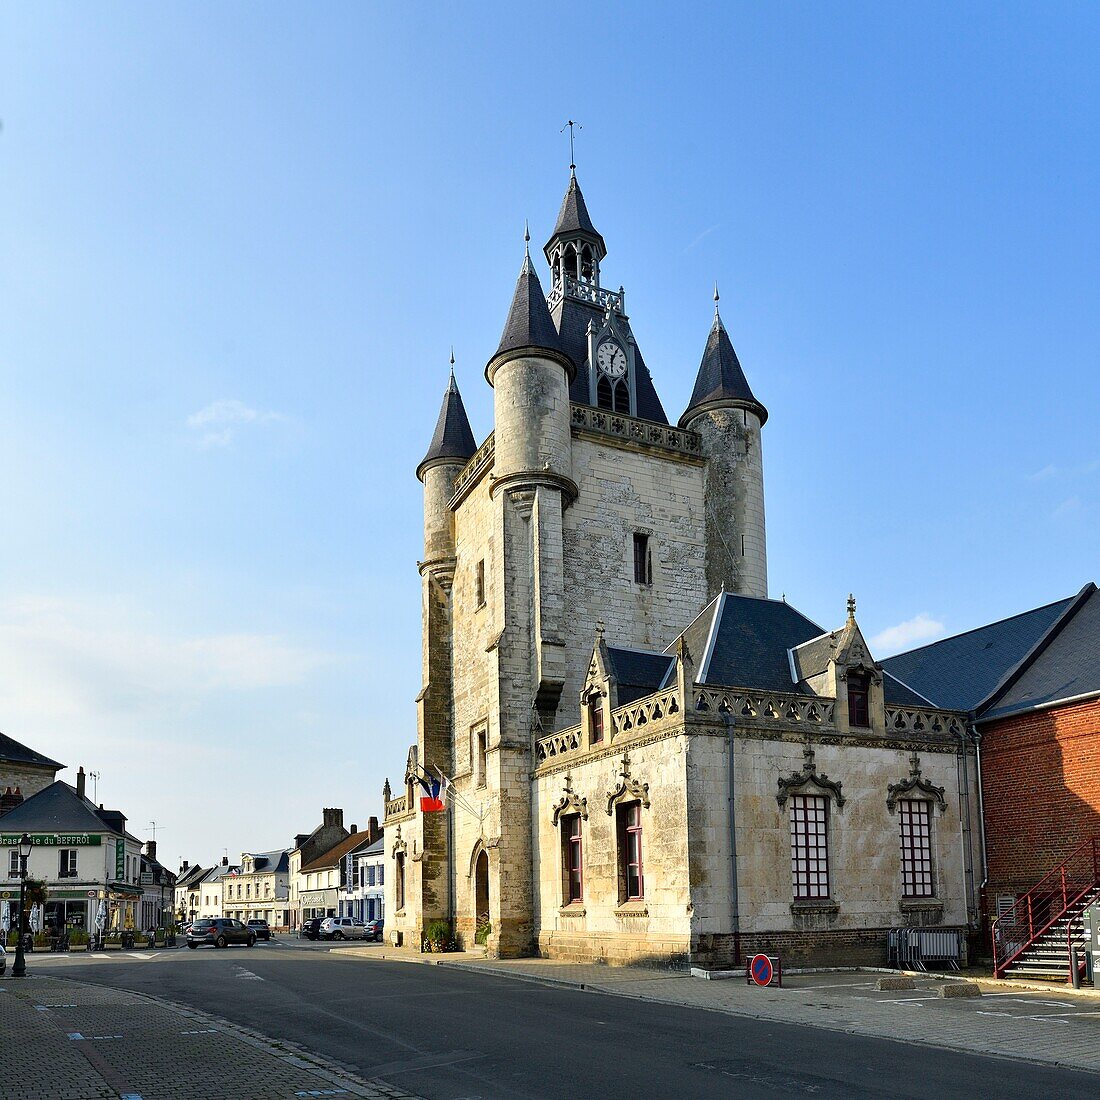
{"points": [[529, 327], [453, 440], [851, 608], [720, 380], [574, 221]]}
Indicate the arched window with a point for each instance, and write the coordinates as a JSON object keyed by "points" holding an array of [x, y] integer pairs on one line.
{"points": [[622, 398], [586, 264], [605, 397], [595, 719], [571, 261]]}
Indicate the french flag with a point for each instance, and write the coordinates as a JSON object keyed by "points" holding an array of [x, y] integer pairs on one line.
{"points": [[435, 791]]}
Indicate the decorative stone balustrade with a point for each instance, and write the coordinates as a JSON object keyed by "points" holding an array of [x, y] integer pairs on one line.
{"points": [[775, 706], [917, 720], [588, 292], [603, 422], [473, 469], [558, 744], [396, 807], [639, 714]]}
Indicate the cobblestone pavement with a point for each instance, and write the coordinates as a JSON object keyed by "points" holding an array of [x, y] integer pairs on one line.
{"points": [[1052, 1027], [66, 1040]]}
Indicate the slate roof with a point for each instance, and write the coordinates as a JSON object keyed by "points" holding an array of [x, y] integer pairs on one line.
{"points": [[720, 376], [351, 843], [192, 876], [15, 752], [453, 437], [529, 324], [747, 642], [959, 673], [1065, 665], [638, 672], [276, 862], [376, 849], [220, 871], [58, 809], [573, 217], [571, 318]]}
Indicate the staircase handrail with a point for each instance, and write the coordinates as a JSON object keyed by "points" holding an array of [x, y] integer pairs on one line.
{"points": [[1034, 910]]}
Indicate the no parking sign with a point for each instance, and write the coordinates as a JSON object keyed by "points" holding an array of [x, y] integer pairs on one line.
{"points": [[764, 970]]}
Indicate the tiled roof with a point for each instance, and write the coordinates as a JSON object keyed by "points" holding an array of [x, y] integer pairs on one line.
{"points": [[720, 376], [15, 752], [332, 857], [638, 672], [959, 673], [453, 437], [573, 217], [572, 317], [1066, 667], [58, 809], [529, 324]]}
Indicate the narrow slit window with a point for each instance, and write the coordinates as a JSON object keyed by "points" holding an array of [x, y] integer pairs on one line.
{"points": [[480, 583], [595, 719], [643, 563], [481, 780]]}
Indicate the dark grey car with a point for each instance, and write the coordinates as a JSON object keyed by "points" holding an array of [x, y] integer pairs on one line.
{"points": [[219, 932]]}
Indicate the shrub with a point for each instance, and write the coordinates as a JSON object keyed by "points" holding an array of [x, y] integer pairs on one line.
{"points": [[78, 936], [483, 931], [437, 936]]}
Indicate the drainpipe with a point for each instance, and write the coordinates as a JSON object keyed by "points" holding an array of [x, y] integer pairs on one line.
{"points": [[963, 777], [735, 917], [981, 802]]}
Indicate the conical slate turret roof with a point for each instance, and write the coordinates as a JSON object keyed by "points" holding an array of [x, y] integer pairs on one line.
{"points": [[529, 324], [453, 438], [720, 377], [573, 218]]}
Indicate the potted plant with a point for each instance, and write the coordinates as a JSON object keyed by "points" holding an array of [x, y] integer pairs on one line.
{"points": [[78, 940], [437, 936], [41, 942], [113, 941]]}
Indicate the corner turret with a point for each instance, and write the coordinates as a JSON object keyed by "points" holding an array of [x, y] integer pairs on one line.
{"points": [[727, 416]]}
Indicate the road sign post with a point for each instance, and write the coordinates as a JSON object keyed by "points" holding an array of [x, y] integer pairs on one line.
{"points": [[764, 970]]}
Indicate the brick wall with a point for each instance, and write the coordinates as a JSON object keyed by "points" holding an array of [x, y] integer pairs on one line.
{"points": [[1041, 785]]}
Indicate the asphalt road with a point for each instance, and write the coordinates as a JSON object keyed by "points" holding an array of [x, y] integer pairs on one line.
{"points": [[456, 1035]]}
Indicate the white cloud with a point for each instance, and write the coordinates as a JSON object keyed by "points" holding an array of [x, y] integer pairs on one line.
{"points": [[1071, 506], [219, 422], [894, 639], [67, 659]]}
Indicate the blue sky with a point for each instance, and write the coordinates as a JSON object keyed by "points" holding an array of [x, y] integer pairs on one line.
{"points": [[240, 240]]}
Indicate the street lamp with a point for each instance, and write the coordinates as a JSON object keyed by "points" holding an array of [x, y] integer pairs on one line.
{"points": [[20, 967]]}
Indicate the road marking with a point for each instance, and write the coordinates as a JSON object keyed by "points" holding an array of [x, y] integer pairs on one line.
{"points": [[130, 1096], [201, 1031], [138, 955], [75, 1035], [247, 974], [322, 1092]]}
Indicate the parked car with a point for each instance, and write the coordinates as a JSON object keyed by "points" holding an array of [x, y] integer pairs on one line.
{"points": [[219, 932], [343, 928], [261, 928], [376, 928], [311, 929]]}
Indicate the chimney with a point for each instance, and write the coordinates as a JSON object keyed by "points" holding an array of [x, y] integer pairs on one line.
{"points": [[151, 849], [355, 828], [225, 861], [80, 782], [334, 817], [300, 839], [372, 829], [10, 799], [183, 866]]}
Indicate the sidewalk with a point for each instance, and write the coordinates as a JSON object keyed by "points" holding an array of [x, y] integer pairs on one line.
{"points": [[66, 1040], [1054, 1026]]}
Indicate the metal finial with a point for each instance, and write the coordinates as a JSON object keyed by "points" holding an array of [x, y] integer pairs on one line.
{"points": [[526, 238], [851, 606], [452, 361], [572, 158], [716, 301]]}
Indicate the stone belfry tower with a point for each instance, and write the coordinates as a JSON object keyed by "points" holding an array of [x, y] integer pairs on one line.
{"points": [[728, 419], [451, 447]]}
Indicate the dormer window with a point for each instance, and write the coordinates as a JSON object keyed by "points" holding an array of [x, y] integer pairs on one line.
{"points": [[595, 719], [859, 691]]}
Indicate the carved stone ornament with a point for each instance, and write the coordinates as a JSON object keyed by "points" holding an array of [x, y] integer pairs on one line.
{"points": [[570, 802], [809, 775], [399, 844], [627, 788], [914, 783]]}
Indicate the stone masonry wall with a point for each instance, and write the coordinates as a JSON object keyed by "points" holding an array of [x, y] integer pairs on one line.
{"points": [[28, 779]]}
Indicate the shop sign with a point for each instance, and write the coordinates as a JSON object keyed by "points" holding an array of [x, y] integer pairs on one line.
{"points": [[120, 859], [53, 840]]}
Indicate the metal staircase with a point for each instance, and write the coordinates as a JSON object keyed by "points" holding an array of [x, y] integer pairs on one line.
{"points": [[1033, 938]]}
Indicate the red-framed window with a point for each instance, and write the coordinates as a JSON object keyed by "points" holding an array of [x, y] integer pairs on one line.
{"points": [[917, 880], [859, 699], [809, 846], [631, 878], [572, 858], [595, 719]]}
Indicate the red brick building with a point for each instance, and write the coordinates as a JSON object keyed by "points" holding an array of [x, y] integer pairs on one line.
{"points": [[1032, 686]]}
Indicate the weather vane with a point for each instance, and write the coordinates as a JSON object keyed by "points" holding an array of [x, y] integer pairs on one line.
{"points": [[572, 158]]}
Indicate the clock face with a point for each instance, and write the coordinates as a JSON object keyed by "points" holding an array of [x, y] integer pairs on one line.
{"points": [[611, 359]]}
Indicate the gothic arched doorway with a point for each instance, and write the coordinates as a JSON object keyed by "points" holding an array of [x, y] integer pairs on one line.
{"points": [[481, 889]]}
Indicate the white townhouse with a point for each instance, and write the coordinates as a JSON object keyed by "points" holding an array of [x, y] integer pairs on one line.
{"points": [[362, 895]]}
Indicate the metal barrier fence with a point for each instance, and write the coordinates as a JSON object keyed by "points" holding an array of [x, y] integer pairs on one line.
{"points": [[915, 948]]}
